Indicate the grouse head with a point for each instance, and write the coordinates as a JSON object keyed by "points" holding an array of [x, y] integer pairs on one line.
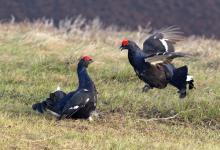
{"points": [[129, 45], [85, 61]]}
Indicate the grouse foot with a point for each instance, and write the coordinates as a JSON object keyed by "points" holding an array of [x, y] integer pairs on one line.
{"points": [[182, 93], [146, 88], [58, 118]]}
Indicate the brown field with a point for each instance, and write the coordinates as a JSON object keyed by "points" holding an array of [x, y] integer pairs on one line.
{"points": [[36, 57]]}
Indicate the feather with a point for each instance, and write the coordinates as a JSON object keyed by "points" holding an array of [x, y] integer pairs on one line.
{"points": [[162, 57], [171, 33]]}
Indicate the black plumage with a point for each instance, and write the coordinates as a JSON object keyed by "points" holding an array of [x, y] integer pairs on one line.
{"points": [[50, 102], [162, 40], [156, 75], [77, 104]]}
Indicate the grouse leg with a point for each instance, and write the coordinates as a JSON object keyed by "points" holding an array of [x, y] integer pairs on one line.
{"points": [[182, 93]]}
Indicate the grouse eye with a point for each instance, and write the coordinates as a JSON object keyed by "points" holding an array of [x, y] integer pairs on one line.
{"points": [[124, 42], [87, 58]]}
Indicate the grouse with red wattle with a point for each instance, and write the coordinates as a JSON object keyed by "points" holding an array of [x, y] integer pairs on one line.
{"points": [[160, 74], [80, 103]]}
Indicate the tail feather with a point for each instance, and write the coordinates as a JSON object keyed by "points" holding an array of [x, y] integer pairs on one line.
{"points": [[39, 107], [179, 80], [190, 82], [189, 78], [179, 77], [172, 33], [49, 104]]}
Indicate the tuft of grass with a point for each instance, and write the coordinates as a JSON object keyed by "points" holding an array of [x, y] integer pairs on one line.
{"points": [[36, 58]]}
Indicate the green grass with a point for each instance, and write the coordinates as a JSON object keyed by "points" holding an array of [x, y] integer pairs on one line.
{"points": [[35, 59]]}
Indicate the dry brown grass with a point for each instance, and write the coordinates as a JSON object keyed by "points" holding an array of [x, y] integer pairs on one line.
{"points": [[36, 57]]}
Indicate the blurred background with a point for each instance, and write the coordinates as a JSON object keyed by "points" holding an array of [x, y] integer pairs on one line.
{"points": [[192, 16]]}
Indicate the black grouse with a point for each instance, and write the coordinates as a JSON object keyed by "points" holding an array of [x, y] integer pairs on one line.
{"points": [[77, 104], [160, 74]]}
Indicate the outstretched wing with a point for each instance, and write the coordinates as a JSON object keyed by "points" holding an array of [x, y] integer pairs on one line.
{"points": [[76, 102], [164, 57], [162, 40]]}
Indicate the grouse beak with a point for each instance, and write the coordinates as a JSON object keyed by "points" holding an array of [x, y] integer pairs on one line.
{"points": [[91, 61], [121, 48]]}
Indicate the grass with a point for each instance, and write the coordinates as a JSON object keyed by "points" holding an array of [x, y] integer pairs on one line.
{"points": [[36, 58]]}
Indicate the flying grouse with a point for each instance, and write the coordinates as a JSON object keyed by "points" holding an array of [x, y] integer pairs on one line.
{"points": [[160, 74]]}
